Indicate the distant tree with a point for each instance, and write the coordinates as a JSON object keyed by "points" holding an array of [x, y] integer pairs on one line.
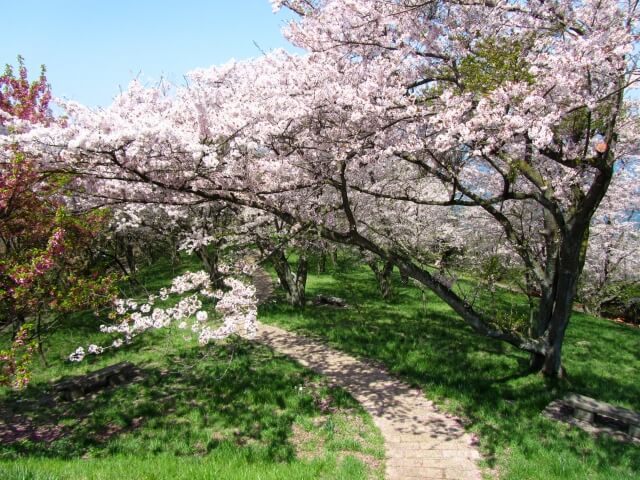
{"points": [[612, 264]]}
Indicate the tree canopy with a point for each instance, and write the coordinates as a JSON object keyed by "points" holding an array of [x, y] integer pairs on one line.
{"points": [[501, 121]]}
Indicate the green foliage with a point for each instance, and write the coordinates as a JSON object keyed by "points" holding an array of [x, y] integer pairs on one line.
{"points": [[494, 268], [494, 63], [15, 361], [45, 249]]}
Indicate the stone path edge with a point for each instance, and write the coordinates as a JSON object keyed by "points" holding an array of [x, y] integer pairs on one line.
{"points": [[421, 443]]}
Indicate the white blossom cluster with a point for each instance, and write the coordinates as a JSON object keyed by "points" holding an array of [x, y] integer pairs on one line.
{"points": [[237, 306], [239, 309]]}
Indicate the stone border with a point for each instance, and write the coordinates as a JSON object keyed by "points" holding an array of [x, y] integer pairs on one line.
{"points": [[559, 411]]}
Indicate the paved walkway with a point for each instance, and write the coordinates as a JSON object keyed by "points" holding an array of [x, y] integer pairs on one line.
{"points": [[420, 442]]}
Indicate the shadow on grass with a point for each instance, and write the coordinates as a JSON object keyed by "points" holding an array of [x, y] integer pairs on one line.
{"points": [[483, 380], [384, 396], [197, 399]]}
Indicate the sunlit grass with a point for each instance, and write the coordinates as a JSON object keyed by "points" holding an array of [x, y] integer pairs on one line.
{"points": [[228, 410], [238, 410], [420, 339]]}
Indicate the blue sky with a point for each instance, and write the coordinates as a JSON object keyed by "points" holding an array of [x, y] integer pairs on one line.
{"points": [[93, 47]]}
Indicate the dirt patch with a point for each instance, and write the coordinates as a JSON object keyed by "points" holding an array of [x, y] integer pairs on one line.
{"points": [[111, 430], [21, 428], [309, 445]]}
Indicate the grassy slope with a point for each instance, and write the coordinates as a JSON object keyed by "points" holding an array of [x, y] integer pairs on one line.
{"points": [[230, 411], [420, 339]]}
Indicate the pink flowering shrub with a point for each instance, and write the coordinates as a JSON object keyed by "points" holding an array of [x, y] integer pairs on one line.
{"points": [[45, 247], [14, 362]]}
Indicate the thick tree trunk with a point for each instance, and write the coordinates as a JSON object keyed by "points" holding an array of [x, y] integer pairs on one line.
{"points": [[572, 257], [556, 302], [552, 327], [294, 284], [541, 319]]}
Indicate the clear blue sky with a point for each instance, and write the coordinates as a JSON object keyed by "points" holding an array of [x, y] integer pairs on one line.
{"points": [[92, 47]]}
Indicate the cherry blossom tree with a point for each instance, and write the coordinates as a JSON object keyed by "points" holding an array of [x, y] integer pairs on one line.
{"points": [[523, 116], [510, 114], [612, 264], [274, 239], [145, 231]]}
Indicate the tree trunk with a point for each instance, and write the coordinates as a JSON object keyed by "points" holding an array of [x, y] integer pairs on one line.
{"points": [[210, 260], [131, 259], [40, 342], [571, 262], [294, 284], [556, 302], [541, 319], [383, 277], [333, 256], [17, 321], [322, 263]]}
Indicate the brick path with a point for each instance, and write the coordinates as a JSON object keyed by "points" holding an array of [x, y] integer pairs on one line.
{"points": [[420, 442]]}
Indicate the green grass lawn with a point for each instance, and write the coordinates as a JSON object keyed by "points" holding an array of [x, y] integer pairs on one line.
{"points": [[237, 410], [421, 340], [232, 410]]}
